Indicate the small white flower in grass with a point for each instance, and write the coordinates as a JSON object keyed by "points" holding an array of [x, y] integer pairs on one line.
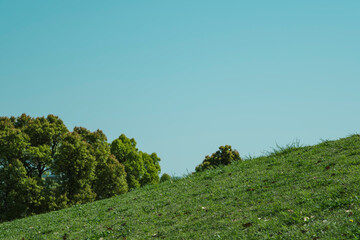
{"points": [[306, 219]]}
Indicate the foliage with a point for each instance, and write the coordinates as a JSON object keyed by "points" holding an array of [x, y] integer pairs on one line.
{"points": [[44, 138], [224, 156], [307, 193], [19, 193], [110, 175], [141, 168], [110, 179], [44, 167], [75, 166], [165, 177], [152, 168]]}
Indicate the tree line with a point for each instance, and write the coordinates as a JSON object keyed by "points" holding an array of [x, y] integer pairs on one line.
{"points": [[46, 167]]}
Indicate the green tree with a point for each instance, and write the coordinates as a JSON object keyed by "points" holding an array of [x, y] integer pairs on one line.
{"points": [[34, 142], [97, 144], [224, 156], [152, 168], [75, 167], [19, 195], [13, 142], [110, 176], [141, 168], [45, 167], [110, 179], [124, 149], [44, 137]]}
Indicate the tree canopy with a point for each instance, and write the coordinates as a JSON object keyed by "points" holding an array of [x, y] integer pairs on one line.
{"points": [[44, 166], [141, 168]]}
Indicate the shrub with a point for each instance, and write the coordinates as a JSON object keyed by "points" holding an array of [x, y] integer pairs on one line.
{"points": [[224, 156], [165, 177]]}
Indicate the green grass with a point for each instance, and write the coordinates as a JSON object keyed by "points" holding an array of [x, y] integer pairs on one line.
{"points": [[292, 193]]}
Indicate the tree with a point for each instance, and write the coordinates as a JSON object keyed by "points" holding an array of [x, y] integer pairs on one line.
{"points": [[45, 167], [110, 179], [13, 142], [141, 168], [75, 167], [152, 168], [224, 156], [19, 194], [124, 149], [44, 137], [110, 175], [33, 142], [97, 144]]}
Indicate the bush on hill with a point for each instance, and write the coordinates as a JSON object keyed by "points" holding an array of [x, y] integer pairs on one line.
{"points": [[165, 177], [224, 156]]}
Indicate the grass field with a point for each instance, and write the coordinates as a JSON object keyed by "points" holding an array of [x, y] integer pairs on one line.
{"points": [[294, 192]]}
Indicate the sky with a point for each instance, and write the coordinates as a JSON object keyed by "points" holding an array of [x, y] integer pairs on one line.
{"points": [[185, 77]]}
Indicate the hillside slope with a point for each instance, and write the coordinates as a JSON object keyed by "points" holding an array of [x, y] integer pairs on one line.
{"points": [[294, 193]]}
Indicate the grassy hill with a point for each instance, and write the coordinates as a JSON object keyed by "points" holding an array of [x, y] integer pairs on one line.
{"points": [[293, 193]]}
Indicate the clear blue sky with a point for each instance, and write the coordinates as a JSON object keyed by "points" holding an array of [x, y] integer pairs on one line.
{"points": [[184, 77]]}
